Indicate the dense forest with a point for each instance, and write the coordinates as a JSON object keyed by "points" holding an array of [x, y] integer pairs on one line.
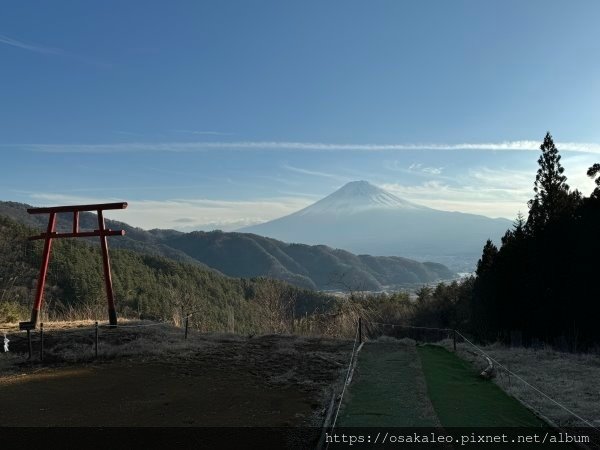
{"points": [[146, 286], [540, 285]]}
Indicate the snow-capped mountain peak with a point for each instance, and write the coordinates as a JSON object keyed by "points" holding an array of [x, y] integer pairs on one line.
{"points": [[357, 196], [368, 220]]}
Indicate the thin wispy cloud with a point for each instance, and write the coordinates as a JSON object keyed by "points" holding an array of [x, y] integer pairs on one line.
{"points": [[576, 167], [487, 190], [203, 133], [494, 192], [128, 133], [418, 167], [579, 147], [501, 177], [45, 50], [31, 47], [186, 214], [315, 173], [472, 198]]}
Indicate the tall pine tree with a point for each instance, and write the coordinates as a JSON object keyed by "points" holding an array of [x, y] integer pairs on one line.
{"points": [[552, 197], [490, 251], [484, 302]]}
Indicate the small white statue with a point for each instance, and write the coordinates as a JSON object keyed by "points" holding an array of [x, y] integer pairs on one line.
{"points": [[6, 341]]}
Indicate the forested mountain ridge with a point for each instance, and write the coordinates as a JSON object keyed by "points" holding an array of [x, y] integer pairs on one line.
{"points": [[135, 238], [146, 286], [249, 255], [311, 266]]}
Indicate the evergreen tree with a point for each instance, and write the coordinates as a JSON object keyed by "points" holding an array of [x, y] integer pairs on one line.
{"points": [[552, 197], [485, 302], [519, 226], [490, 251], [518, 232], [594, 172]]}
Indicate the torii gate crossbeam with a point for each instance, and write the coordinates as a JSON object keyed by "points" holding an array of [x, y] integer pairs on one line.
{"points": [[51, 234]]}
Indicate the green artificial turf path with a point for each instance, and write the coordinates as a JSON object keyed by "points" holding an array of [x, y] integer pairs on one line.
{"points": [[401, 385], [388, 389], [463, 399]]}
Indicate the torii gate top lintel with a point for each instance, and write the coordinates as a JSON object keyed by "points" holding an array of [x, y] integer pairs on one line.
{"points": [[51, 233], [77, 208]]}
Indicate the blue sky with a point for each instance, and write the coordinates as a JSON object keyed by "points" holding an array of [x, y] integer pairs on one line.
{"points": [[220, 114]]}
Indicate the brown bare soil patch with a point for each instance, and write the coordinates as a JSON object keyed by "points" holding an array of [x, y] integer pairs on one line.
{"points": [[152, 377]]}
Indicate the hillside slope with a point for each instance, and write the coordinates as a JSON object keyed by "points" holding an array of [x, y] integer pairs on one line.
{"points": [[318, 266], [249, 255], [145, 286], [135, 238]]}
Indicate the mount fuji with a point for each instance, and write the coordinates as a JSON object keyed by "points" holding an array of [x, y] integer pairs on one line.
{"points": [[363, 218]]}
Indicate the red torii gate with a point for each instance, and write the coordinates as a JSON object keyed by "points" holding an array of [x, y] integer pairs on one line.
{"points": [[51, 233]]}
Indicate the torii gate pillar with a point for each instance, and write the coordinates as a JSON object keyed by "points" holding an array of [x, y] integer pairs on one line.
{"points": [[51, 234]]}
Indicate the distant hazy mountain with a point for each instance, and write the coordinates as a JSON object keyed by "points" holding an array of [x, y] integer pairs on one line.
{"points": [[316, 267], [249, 255], [363, 218]]}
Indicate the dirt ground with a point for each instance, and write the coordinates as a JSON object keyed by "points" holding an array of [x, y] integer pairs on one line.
{"points": [[152, 377]]}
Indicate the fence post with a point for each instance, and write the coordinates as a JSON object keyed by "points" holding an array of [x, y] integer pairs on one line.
{"points": [[187, 320], [96, 341], [360, 330], [454, 339], [29, 342], [42, 342]]}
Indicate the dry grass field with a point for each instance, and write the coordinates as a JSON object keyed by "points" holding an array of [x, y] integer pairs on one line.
{"points": [[151, 376]]}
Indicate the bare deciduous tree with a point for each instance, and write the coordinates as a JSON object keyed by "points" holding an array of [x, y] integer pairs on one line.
{"points": [[276, 302]]}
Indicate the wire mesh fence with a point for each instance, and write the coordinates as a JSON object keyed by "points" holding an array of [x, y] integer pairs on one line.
{"points": [[375, 330], [34, 342], [95, 340]]}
